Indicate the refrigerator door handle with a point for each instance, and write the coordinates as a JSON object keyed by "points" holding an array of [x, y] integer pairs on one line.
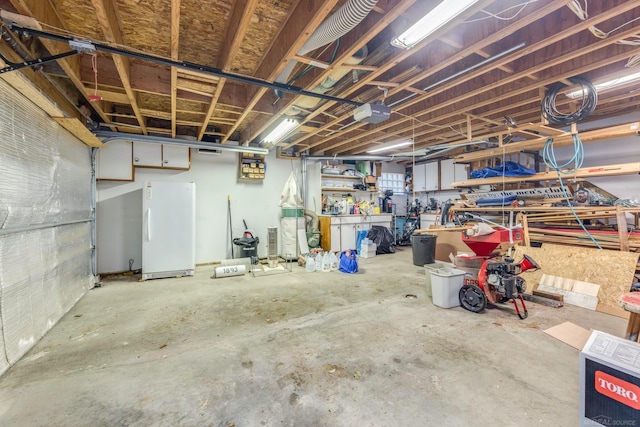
{"points": [[148, 224]]}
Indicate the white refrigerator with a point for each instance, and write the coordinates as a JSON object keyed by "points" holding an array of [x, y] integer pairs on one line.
{"points": [[168, 229]]}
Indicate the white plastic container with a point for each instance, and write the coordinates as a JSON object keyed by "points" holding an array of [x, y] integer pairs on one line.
{"points": [[434, 266], [445, 286]]}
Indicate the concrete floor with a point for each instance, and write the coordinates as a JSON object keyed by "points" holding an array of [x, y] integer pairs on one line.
{"points": [[296, 349]]}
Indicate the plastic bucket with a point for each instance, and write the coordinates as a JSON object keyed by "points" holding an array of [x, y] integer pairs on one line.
{"points": [[434, 266], [248, 247], [445, 286], [423, 247]]}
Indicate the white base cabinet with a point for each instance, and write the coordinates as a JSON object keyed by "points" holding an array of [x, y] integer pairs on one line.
{"points": [[343, 230]]}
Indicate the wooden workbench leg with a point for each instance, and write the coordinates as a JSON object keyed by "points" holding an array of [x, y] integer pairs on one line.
{"points": [[633, 327]]}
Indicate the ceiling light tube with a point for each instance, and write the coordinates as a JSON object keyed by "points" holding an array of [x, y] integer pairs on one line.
{"points": [[390, 147], [431, 22], [609, 84], [279, 132]]}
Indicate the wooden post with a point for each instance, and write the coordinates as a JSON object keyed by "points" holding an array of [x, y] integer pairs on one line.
{"points": [[522, 218], [621, 219]]}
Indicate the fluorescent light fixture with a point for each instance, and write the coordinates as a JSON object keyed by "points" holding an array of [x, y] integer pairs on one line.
{"points": [[390, 147], [609, 84], [283, 129], [431, 22]]}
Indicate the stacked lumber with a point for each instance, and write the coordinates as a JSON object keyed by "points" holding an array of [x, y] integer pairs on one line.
{"points": [[579, 238]]}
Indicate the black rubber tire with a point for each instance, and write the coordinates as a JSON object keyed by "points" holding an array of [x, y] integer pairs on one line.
{"points": [[472, 298]]}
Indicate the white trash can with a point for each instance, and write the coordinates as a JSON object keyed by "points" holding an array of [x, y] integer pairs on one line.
{"points": [[445, 286], [433, 266]]}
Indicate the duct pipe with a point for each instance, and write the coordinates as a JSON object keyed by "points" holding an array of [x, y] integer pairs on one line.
{"points": [[334, 27], [309, 103], [315, 222]]}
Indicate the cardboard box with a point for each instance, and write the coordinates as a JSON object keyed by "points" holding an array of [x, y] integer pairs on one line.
{"points": [[609, 381]]}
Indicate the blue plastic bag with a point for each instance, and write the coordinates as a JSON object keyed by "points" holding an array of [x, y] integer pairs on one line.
{"points": [[360, 236], [348, 262]]}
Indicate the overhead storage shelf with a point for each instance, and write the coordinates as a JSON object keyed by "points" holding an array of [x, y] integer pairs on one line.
{"points": [[630, 129], [591, 172]]}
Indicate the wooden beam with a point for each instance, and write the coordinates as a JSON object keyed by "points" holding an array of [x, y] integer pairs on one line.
{"points": [[543, 42], [174, 45], [43, 12], [454, 58], [623, 234], [301, 23], [239, 22], [107, 14], [36, 87], [79, 130], [310, 61], [373, 25], [620, 131]]}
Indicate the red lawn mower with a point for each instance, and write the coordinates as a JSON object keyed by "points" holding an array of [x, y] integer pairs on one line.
{"points": [[498, 278]]}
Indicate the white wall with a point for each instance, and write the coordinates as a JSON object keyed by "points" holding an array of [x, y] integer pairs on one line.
{"points": [[119, 210]]}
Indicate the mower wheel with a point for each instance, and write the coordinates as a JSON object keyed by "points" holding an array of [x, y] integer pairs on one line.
{"points": [[472, 298]]}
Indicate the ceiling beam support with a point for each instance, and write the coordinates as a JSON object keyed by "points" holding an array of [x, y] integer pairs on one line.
{"points": [[239, 22], [175, 43], [301, 23], [43, 12], [107, 14]]}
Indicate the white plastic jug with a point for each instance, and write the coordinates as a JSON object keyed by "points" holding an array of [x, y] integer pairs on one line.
{"points": [[310, 264], [319, 262], [335, 262], [326, 263]]}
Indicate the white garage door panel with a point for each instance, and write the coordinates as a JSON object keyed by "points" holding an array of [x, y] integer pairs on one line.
{"points": [[45, 182]]}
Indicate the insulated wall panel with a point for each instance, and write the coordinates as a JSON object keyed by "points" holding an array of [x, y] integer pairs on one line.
{"points": [[45, 258]]}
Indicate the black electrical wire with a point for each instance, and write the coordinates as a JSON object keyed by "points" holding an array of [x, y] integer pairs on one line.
{"points": [[588, 104]]}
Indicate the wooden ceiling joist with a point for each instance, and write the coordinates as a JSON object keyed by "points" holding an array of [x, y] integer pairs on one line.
{"points": [[107, 14]]}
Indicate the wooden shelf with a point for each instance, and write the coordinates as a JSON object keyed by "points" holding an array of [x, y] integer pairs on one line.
{"points": [[339, 189], [329, 176], [591, 172], [630, 129]]}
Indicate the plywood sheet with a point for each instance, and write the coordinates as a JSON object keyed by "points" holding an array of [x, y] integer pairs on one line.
{"points": [[569, 333], [612, 270]]}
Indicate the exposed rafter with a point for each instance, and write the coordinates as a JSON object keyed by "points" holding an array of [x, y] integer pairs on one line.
{"points": [[44, 12], [239, 21], [107, 14]]}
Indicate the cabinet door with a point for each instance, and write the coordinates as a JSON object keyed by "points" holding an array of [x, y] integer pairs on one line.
{"points": [[419, 178], [447, 174], [451, 172], [113, 161], [432, 175], [461, 172], [335, 237], [347, 236], [147, 154], [175, 156]]}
